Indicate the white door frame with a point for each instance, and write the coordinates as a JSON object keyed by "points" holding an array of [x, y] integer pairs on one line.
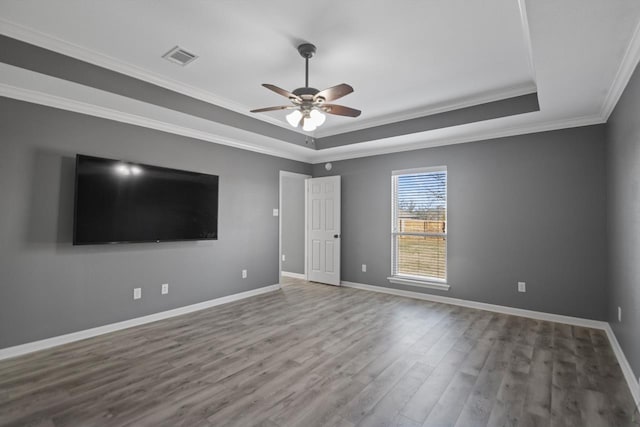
{"points": [[302, 177]]}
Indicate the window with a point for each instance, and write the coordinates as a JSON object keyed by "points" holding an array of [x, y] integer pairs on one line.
{"points": [[419, 227]]}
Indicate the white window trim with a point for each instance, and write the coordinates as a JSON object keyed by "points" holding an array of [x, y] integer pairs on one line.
{"points": [[431, 283], [419, 170]]}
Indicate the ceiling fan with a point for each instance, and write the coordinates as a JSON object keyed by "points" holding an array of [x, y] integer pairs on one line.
{"points": [[308, 103]]}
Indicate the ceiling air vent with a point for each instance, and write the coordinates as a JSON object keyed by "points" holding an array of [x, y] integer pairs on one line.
{"points": [[179, 56]]}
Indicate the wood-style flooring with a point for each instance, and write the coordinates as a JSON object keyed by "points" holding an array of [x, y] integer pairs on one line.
{"points": [[317, 355]]}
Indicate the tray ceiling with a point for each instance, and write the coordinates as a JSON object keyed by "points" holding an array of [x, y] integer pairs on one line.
{"points": [[404, 59]]}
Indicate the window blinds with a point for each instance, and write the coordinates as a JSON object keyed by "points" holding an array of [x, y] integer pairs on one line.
{"points": [[419, 228]]}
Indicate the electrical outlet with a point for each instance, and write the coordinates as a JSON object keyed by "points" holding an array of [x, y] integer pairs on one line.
{"points": [[522, 287], [364, 268], [137, 293], [276, 212], [619, 314], [284, 257], [244, 274], [165, 288]]}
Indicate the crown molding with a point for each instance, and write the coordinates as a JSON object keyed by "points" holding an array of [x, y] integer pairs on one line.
{"points": [[327, 156], [40, 98], [31, 36], [405, 143], [33, 87], [118, 112], [430, 110], [623, 75]]}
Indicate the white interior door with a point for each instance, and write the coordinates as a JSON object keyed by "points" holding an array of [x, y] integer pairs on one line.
{"points": [[323, 224]]}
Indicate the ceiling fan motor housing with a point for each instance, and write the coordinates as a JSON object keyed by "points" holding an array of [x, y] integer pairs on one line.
{"points": [[301, 91], [307, 94]]}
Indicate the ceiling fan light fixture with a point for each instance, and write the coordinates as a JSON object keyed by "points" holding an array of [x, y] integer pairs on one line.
{"points": [[294, 118], [317, 117], [308, 125]]}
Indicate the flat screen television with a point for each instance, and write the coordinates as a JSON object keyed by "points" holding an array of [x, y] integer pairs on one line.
{"points": [[125, 202]]}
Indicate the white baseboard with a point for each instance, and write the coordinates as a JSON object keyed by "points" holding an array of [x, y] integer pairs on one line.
{"points": [[293, 275], [629, 375], [21, 349], [538, 315]]}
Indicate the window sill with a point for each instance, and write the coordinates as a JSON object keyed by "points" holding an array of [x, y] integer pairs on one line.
{"points": [[419, 283]]}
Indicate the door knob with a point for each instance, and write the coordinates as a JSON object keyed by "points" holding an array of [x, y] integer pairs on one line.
{"points": [[335, 236]]}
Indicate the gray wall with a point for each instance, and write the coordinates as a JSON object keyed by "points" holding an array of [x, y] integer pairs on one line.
{"points": [[623, 168], [293, 224], [527, 208], [524, 208], [49, 287]]}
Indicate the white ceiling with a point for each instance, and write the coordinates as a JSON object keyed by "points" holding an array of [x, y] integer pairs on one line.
{"points": [[404, 59]]}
